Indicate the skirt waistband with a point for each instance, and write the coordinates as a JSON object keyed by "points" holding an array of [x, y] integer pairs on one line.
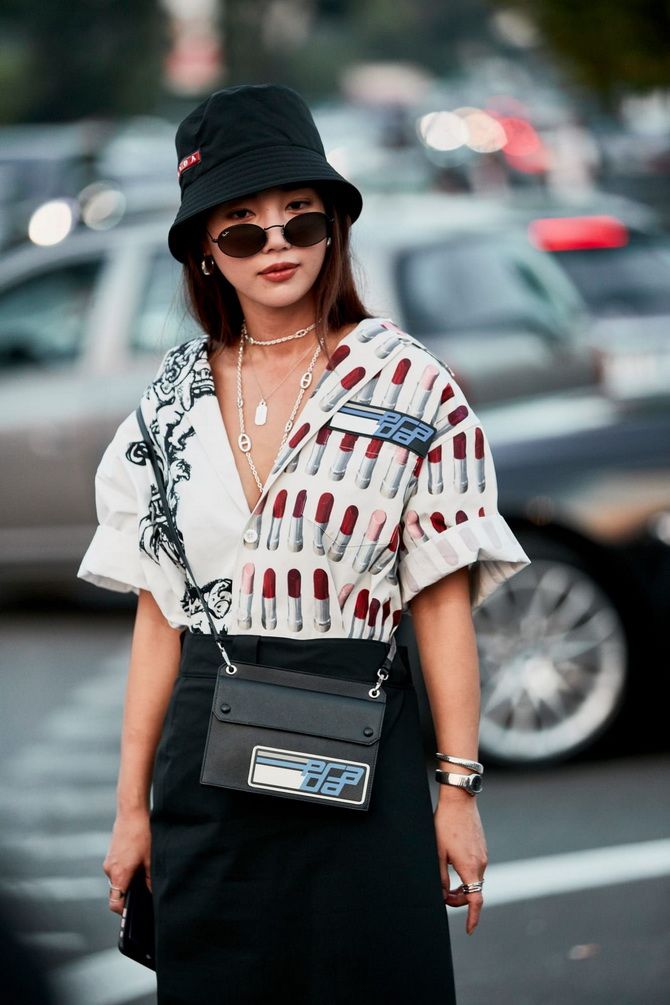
{"points": [[353, 659]]}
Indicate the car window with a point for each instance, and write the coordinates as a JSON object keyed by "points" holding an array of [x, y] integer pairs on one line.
{"points": [[631, 280], [486, 282], [162, 319], [43, 318]]}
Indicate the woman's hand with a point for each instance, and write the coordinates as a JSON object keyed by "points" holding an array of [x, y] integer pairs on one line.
{"points": [[130, 847], [461, 844]]}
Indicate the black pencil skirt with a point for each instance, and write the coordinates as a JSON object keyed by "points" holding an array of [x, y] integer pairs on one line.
{"points": [[262, 899]]}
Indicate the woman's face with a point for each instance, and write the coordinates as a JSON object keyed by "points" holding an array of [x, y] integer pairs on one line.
{"points": [[271, 206]]}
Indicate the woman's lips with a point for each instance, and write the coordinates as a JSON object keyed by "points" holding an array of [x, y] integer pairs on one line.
{"points": [[279, 275]]}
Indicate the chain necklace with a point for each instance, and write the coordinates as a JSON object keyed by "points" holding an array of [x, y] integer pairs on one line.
{"points": [[261, 414], [244, 440], [275, 341]]}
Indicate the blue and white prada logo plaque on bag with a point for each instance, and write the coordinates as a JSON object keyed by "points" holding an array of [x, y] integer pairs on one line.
{"points": [[313, 775]]}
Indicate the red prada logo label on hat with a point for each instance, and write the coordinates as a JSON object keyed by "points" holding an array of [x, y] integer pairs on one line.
{"points": [[189, 161]]}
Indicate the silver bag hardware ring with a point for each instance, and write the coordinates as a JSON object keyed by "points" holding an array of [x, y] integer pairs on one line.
{"points": [[284, 732]]}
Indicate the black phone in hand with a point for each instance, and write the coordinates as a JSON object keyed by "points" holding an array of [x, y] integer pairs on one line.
{"points": [[136, 936]]}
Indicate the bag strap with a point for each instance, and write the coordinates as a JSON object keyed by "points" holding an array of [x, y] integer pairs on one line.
{"points": [[384, 669], [172, 530]]}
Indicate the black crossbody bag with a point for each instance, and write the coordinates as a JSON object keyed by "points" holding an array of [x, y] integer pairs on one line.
{"points": [[287, 733]]}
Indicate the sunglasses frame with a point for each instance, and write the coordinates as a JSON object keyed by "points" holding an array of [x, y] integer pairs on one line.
{"points": [[216, 240]]}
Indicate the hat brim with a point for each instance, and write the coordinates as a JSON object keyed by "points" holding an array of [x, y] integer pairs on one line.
{"points": [[279, 165]]}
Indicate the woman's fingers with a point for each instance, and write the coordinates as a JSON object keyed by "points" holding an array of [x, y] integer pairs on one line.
{"points": [[473, 901]]}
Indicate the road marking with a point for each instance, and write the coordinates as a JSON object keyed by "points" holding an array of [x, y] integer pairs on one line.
{"points": [[507, 882], [58, 847], [105, 978], [60, 888]]}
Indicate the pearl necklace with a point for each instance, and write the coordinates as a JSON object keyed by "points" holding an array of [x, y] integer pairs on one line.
{"points": [[244, 440], [275, 341]]}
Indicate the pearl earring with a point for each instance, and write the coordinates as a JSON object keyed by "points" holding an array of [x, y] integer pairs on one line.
{"points": [[328, 241], [207, 265]]}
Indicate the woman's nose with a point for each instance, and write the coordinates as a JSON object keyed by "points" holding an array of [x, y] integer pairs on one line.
{"points": [[275, 237]]}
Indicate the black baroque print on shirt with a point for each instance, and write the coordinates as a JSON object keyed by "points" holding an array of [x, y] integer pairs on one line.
{"points": [[218, 597]]}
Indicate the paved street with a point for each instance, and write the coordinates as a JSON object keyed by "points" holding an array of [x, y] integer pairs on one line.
{"points": [[577, 890]]}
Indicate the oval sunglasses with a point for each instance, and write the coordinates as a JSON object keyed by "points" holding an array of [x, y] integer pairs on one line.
{"points": [[246, 239]]}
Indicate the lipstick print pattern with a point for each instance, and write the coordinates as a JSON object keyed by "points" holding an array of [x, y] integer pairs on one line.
{"points": [[349, 527]]}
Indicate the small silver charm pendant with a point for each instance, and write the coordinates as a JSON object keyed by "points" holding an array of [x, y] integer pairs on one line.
{"points": [[306, 380], [244, 442], [261, 413]]}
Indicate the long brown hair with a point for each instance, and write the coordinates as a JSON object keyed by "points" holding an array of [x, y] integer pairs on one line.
{"points": [[214, 304]]}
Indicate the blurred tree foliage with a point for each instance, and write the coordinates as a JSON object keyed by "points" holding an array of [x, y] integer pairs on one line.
{"points": [[320, 38], [610, 46], [61, 61]]}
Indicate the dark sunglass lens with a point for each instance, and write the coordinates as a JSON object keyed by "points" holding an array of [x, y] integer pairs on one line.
{"points": [[306, 229], [243, 240]]}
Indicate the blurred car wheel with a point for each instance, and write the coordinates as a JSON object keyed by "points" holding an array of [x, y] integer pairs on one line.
{"points": [[553, 655]]}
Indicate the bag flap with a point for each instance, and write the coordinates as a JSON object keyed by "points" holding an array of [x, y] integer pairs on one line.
{"points": [[300, 710]]}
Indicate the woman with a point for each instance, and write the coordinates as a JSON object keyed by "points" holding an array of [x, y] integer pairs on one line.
{"points": [[326, 473]]}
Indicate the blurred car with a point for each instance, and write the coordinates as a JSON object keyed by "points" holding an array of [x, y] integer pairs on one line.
{"points": [[622, 270], [585, 484], [39, 163], [460, 274]]}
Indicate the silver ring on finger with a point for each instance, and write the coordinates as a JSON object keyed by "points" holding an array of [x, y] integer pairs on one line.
{"points": [[121, 892], [472, 887]]}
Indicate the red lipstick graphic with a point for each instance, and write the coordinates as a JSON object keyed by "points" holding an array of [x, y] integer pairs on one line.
{"points": [[246, 596], [413, 479], [386, 610], [394, 473], [343, 595], [367, 465], [293, 441], [337, 548], [435, 482], [339, 355], [360, 614], [295, 526], [373, 611], [350, 380], [443, 544], [414, 528], [397, 380], [277, 517], [294, 601], [454, 417], [365, 395], [364, 553], [423, 390], [321, 601], [314, 462], [466, 533], [385, 348], [460, 463], [343, 456], [480, 471], [323, 511], [387, 553], [269, 608]]}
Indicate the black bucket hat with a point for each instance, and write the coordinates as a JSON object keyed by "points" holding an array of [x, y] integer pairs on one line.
{"points": [[243, 139]]}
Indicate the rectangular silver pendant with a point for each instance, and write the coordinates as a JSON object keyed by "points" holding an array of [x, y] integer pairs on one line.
{"points": [[261, 413]]}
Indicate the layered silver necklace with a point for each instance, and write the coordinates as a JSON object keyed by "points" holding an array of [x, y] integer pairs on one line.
{"points": [[244, 440]]}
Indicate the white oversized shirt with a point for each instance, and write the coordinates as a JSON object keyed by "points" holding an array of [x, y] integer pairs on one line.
{"points": [[386, 485]]}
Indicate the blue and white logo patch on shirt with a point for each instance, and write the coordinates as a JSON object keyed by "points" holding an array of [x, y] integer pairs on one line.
{"points": [[385, 424]]}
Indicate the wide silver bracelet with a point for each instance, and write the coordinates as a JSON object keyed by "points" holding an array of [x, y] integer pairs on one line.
{"points": [[473, 765]]}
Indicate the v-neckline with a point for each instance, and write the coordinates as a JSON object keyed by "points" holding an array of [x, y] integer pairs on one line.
{"points": [[235, 484]]}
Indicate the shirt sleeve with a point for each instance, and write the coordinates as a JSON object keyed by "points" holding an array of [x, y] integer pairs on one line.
{"points": [[451, 519], [112, 560]]}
